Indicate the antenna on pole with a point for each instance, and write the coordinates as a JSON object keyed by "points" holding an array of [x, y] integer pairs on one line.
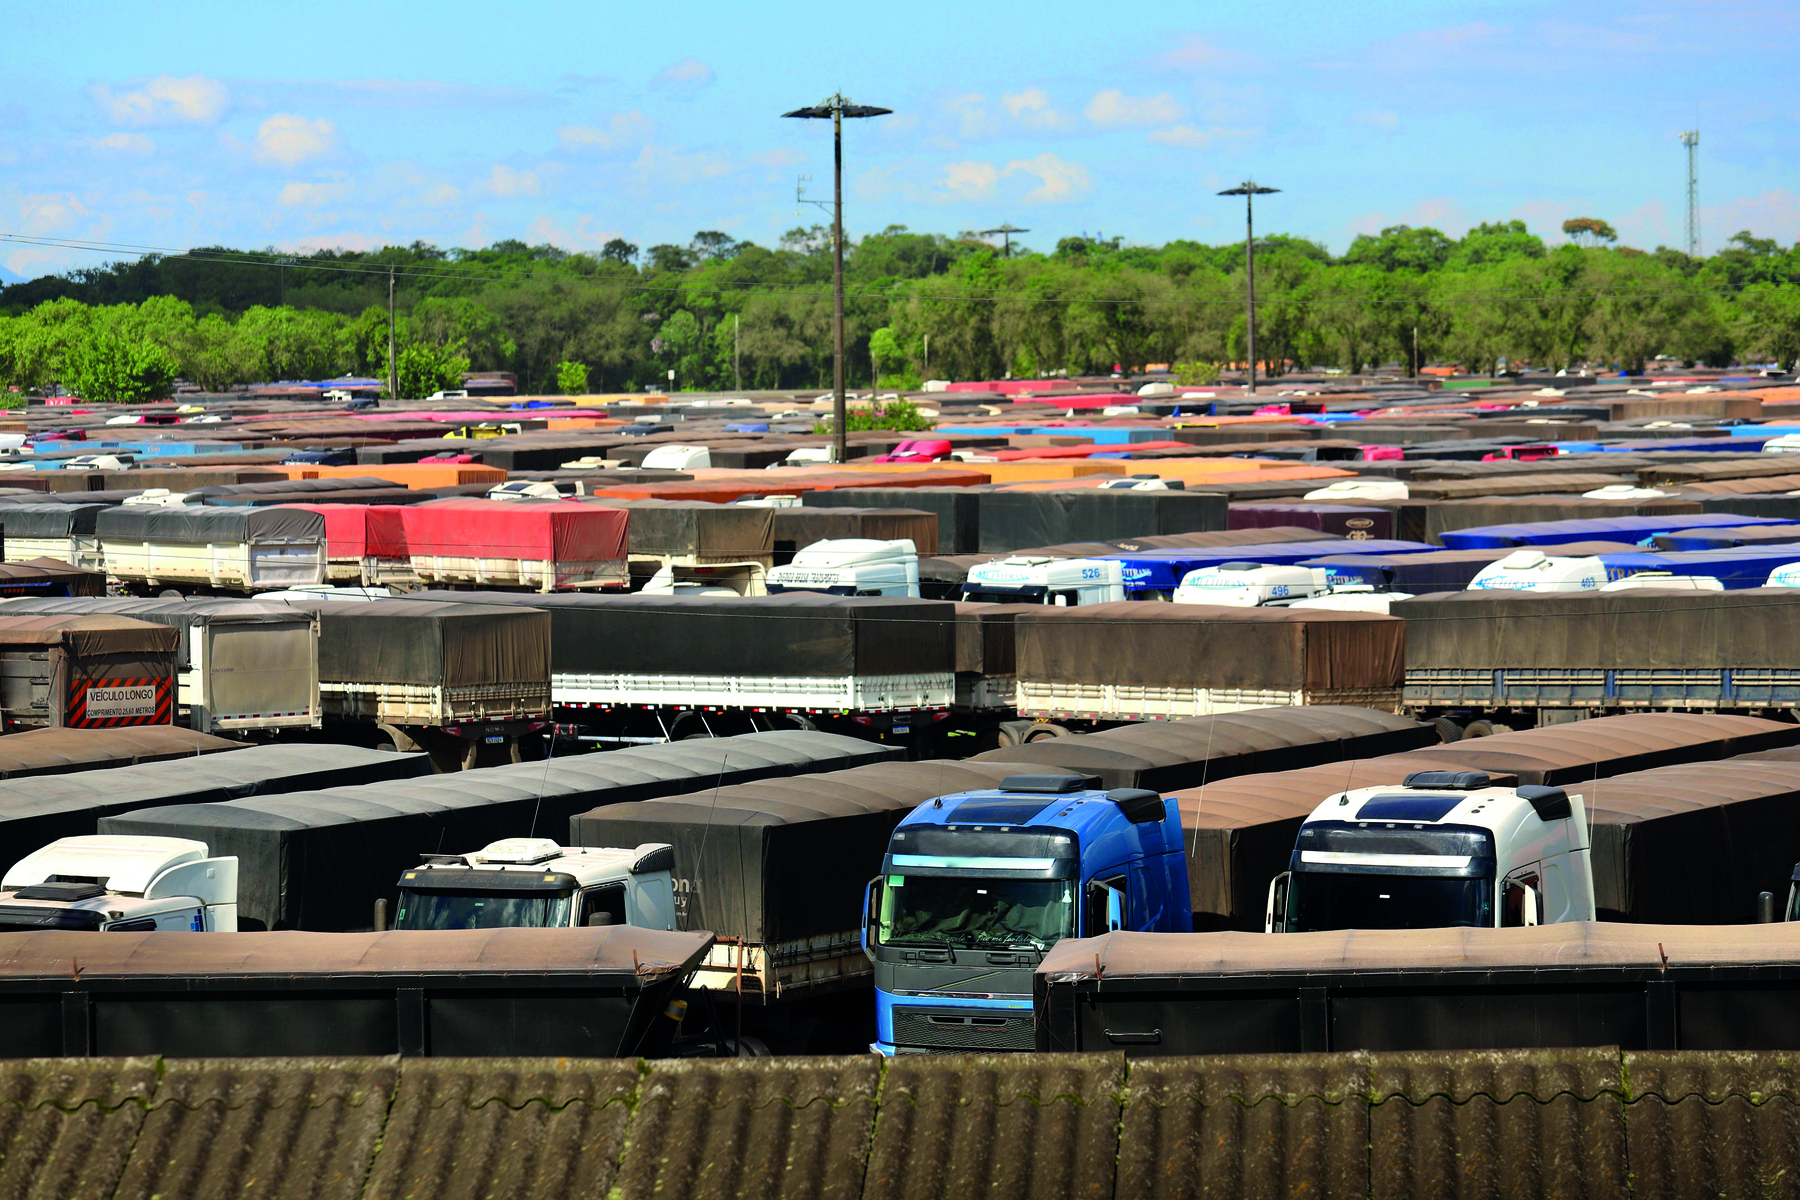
{"points": [[1005, 231], [1691, 139]]}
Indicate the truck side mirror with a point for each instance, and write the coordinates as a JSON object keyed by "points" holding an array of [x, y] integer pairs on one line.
{"points": [[1115, 910], [870, 907], [1531, 905], [1275, 914], [601, 918], [1518, 905]]}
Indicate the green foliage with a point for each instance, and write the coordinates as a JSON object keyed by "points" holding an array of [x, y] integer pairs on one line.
{"points": [[108, 368], [572, 378], [1196, 374], [901, 416], [424, 369], [1588, 230]]}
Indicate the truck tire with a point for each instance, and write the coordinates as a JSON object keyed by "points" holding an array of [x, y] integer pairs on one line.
{"points": [[1479, 729], [1044, 732], [1448, 730], [1012, 733]]}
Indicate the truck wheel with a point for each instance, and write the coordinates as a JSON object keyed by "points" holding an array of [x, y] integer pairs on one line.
{"points": [[1012, 733], [1043, 733], [1478, 729], [1448, 730]]}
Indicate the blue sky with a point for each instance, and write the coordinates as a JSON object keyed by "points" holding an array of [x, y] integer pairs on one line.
{"points": [[327, 124]]}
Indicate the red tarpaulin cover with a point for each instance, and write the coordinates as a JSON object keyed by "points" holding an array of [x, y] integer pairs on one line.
{"points": [[361, 530], [553, 530]]}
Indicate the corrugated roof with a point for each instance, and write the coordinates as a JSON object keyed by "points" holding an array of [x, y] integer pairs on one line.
{"points": [[68, 1125]]}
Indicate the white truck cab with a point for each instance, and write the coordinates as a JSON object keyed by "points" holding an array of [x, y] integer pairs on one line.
{"points": [[851, 567], [708, 579], [98, 462], [120, 884], [1374, 487], [677, 458], [157, 498], [1445, 848], [1665, 581], [1035, 579], [1250, 584], [1786, 575], [1535, 571], [1354, 597], [536, 489], [535, 883]]}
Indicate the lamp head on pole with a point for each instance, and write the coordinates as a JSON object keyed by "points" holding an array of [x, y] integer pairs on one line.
{"points": [[1247, 188], [837, 105]]}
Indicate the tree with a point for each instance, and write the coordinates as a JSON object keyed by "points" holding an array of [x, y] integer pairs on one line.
{"points": [[1582, 230], [107, 368], [710, 243], [620, 251], [572, 378], [671, 258], [1402, 248], [424, 369], [1771, 322], [1496, 242]]}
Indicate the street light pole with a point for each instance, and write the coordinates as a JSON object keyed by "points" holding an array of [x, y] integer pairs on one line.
{"points": [[1249, 189], [837, 107]]}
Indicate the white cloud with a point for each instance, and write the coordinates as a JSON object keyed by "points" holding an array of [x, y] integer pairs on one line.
{"points": [[507, 183], [165, 100], [969, 180], [1059, 180], [972, 116], [683, 78], [1032, 108], [1113, 109], [618, 130], [49, 212], [311, 195], [286, 139], [125, 143], [665, 166], [440, 195], [1195, 54], [1379, 119], [583, 237], [1190, 137]]}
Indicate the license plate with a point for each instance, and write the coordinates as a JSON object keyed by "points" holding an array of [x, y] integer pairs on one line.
{"points": [[903, 729], [494, 739]]}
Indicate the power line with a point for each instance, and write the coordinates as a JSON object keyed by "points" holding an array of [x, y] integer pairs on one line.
{"points": [[453, 274]]}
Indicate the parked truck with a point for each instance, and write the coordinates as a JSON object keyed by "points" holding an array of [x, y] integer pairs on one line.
{"points": [[242, 666], [237, 549], [1445, 848], [1038, 579], [976, 887], [120, 884], [851, 567], [531, 882], [95, 671]]}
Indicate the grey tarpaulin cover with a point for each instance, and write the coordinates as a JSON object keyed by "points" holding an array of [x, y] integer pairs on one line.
{"points": [[319, 859], [86, 636], [1203, 645], [192, 525], [711, 532], [1165, 755], [37, 810], [1753, 627], [1011, 520], [419, 641], [798, 528], [984, 639], [784, 859], [802, 634], [958, 510], [60, 751], [177, 614], [49, 520]]}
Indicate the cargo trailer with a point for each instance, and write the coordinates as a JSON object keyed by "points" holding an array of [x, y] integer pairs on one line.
{"points": [[86, 672], [365, 544], [475, 993], [320, 859], [543, 545], [244, 666], [1135, 661], [64, 532], [149, 547]]}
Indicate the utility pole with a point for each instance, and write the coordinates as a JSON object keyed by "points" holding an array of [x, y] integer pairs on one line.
{"points": [[737, 362], [1249, 190], [838, 107], [1691, 139], [393, 366]]}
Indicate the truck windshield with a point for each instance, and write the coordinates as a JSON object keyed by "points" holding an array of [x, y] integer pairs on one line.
{"points": [[482, 910], [936, 910], [1320, 900]]}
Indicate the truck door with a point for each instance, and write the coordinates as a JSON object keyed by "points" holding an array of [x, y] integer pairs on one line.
{"points": [[1107, 898], [602, 905]]}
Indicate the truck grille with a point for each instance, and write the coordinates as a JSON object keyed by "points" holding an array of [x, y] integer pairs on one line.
{"points": [[958, 1029]]}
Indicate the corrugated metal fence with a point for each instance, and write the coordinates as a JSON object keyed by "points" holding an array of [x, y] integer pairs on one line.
{"points": [[1574, 1123]]}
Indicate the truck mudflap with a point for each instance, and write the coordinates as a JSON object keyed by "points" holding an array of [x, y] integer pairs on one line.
{"points": [[1599, 688], [1119, 702], [848, 693], [769, 973]]}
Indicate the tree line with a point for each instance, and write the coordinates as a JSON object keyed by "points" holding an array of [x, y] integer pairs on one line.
{"points": [[724, 314]]}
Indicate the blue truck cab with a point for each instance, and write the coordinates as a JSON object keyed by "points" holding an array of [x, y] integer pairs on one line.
{"points": [[975, 888]]}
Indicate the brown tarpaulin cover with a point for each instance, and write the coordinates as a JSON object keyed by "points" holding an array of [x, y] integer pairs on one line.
{"points": [[1473, 514], [424, 642], [1572, 944], [88, 636], [53, 751], [798, 528], [1752, 627], [984, 637], [1140, 643], [618, 948]]}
